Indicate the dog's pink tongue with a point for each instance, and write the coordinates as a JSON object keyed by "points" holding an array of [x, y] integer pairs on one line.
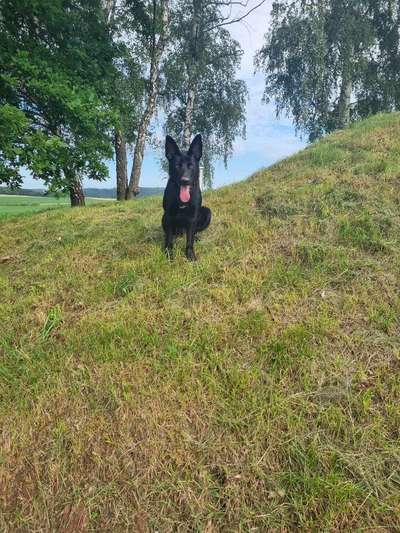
{"points": [[184, 194]]}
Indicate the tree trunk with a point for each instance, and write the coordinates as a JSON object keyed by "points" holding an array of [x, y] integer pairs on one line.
{"points": [[347, 85], [109, 7], [121, 165], [188, 126], [76, 193], [158, 49], [345, 102], [133, 188], [192, 69]]}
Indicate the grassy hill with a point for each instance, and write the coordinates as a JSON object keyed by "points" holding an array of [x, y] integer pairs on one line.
{"points": [[257, 389]]}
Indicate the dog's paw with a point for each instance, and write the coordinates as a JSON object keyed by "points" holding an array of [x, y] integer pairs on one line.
{"points": [[191, 256]]}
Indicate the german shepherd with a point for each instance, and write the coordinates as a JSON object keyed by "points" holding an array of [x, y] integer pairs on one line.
{"points": [[182, 196]]}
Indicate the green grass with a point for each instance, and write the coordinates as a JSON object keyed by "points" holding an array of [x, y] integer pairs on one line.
{"points": [[257, 389], [12, 206]]}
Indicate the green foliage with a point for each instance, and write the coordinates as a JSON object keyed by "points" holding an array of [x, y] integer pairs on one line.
{"points": [[13, 130], [130, 30], [204, 61], [329, 61], [381, 90], [56, 58]]}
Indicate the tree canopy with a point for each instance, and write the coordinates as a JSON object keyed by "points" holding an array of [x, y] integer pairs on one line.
{"points": [[331, 61], [56, 58], [81, 80], [202, 92]]}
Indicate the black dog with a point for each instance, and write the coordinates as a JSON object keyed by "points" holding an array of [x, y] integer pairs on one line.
{"points": [[182, 196]]}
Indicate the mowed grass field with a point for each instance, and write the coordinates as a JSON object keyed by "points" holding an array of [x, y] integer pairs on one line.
{"points": [[16, 205], [255, 390]]}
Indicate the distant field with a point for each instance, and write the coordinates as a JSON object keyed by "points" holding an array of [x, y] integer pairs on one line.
{"points": [[16, 205]]}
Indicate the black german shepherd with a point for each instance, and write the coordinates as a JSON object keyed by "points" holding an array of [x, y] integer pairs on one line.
{"points": [[182, 196]]}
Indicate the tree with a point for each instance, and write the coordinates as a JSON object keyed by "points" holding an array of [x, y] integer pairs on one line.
{"points": [[155, 44], [55, 58], [202, 92], [322, 61], [128, 22], [381, 90]]}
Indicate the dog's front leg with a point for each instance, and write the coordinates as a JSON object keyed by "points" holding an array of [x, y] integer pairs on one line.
{"points": [[190, 232], [169, 235], [169, 241]]}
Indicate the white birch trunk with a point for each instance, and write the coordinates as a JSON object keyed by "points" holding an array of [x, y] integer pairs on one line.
{"points": [[133, 188]]}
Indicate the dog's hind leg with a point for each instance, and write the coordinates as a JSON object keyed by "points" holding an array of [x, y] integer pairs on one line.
{"points": [[204, 219]]}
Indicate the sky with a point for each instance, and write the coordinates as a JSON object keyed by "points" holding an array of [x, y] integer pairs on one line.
{"points": [[268, 139]]}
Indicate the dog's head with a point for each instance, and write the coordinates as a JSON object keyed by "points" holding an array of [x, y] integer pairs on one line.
{"points": [[184, 166]]}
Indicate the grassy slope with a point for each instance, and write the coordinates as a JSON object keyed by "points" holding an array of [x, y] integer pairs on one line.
{"points": [[257, 388], [16, 205]]}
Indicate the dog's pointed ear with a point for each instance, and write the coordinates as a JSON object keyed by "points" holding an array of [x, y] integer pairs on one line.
{"points": [[171, 148], [196, 148]]}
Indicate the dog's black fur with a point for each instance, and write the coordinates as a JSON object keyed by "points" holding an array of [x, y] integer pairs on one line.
{"points": [[182, 196]]}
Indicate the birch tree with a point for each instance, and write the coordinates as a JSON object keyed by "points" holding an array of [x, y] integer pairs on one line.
{"points": [[128, 24], [324, 61], [160, 32], [202, 92]]}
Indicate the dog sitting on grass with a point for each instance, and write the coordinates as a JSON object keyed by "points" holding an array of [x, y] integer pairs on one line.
{"points": [[182, 196]]}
